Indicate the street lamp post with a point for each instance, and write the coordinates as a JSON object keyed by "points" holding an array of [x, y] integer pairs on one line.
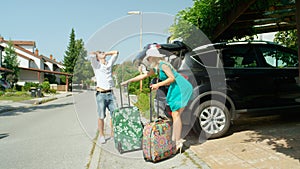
{"points": [[141, 25], [141, 37]]}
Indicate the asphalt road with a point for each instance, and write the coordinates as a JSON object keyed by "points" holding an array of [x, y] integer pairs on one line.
{"points": [[43, 136]]}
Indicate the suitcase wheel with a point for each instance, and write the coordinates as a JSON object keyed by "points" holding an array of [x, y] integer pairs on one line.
{"points": [[120, 147]]}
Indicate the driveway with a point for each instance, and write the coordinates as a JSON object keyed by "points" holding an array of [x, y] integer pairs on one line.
{"points": [[254, 142]]}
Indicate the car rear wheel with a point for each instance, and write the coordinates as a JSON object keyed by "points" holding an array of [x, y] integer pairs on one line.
{"points": [[213, 119]]}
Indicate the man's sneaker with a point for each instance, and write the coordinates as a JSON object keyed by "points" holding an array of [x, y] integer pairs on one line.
{"points": [[101, 140]]}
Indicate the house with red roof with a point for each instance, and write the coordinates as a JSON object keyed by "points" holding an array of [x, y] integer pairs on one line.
{"points": [[34, 67]]}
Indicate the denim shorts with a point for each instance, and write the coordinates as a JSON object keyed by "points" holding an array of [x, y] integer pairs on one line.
{"points": [[105, 100]]}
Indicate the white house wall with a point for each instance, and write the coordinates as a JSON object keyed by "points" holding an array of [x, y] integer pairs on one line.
{"points": [[36, 60], [32, 61], [50, 65], [24, 64], [23, 61]]}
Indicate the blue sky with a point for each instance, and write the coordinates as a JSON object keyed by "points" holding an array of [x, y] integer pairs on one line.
{"points": [[49, 23]]}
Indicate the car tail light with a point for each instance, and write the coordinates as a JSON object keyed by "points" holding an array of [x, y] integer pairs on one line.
{"points": [[154, 45], [185, 76]]}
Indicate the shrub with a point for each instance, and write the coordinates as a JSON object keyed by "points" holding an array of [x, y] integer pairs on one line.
{"points": [[52, 91], [28, 85], [45, 86], [143, 103], [18, 87]]}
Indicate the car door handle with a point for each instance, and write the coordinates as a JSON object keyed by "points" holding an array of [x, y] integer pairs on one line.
{"points": [[232, 78]]}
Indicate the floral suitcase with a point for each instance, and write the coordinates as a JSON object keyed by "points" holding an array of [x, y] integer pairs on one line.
{"points": [[157, 138], [157, 142], [128, 129]]}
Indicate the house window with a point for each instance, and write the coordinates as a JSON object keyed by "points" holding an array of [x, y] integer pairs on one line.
{"points": [[32, 64]]}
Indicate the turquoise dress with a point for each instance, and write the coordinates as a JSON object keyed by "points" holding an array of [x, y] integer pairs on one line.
{"points": [[179, 92]]}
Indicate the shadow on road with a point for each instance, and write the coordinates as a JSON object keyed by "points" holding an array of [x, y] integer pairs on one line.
{"points": [[281, 132], [24, 109], [278, 131], [3, 135]]}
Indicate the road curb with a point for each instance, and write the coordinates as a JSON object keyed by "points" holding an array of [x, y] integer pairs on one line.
{"points": [[34, 101]]}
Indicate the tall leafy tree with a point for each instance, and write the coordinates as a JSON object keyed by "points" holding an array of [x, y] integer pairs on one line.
{"points": [[205, 15], [11, 62], [83, 71], [71, 56]]}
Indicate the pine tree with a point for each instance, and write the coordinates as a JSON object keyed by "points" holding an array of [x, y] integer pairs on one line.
{"points": [[71, 54], [11, 62], [70, 57]]}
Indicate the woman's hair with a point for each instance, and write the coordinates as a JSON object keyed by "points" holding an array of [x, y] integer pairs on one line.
{"points": [[155, 61]]}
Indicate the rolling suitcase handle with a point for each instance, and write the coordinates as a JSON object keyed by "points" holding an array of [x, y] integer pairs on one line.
{"points": [[153, 81], [122, 105]]}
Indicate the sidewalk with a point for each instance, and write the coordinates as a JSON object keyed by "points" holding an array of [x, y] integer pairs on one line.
{"points": [[7, 105], [263, 142]]}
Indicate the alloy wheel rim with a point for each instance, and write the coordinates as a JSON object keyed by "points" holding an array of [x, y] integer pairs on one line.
{"points": [[212, 119]]}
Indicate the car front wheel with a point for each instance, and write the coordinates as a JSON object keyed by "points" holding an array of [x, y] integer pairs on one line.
{"points": [[213, 119]]}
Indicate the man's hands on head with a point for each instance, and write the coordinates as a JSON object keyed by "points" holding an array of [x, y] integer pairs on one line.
{"points": [[102, 55], [114, 52]]}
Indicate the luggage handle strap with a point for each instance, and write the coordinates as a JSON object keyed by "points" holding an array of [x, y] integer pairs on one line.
{"points": [[153, 81], [122, 105]]}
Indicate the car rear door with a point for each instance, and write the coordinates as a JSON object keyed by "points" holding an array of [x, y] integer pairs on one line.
{"points": [[251, 85], [286, 73]]}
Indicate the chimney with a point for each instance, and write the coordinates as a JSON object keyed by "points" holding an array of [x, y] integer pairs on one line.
{"points": [[51, 57], [36, 52], [1, 49]]}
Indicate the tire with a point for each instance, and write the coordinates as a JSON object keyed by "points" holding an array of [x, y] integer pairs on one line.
{"points": [[213, 119]]}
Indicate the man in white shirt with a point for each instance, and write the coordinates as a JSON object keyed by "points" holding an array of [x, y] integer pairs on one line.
{"points": [[104, 96]]}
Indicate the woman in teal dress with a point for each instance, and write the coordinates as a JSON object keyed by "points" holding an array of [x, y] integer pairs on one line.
{"points": [[179, 92]]}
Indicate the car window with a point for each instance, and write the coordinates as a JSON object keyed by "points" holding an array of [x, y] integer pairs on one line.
{"points": [[239, 57], [207, 58], [278, 57]]}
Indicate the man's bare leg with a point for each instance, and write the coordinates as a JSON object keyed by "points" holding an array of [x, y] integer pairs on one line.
{"points": [[101, 126], [111, 128]]}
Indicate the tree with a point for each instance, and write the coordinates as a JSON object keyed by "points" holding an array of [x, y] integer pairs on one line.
{"points": [[83, 71], [127, 70], [205, 15], [287, 38], [11, 62], [70, 57]]}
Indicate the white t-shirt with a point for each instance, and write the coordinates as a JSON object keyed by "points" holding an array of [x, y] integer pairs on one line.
{"points": [[103, 72]]}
